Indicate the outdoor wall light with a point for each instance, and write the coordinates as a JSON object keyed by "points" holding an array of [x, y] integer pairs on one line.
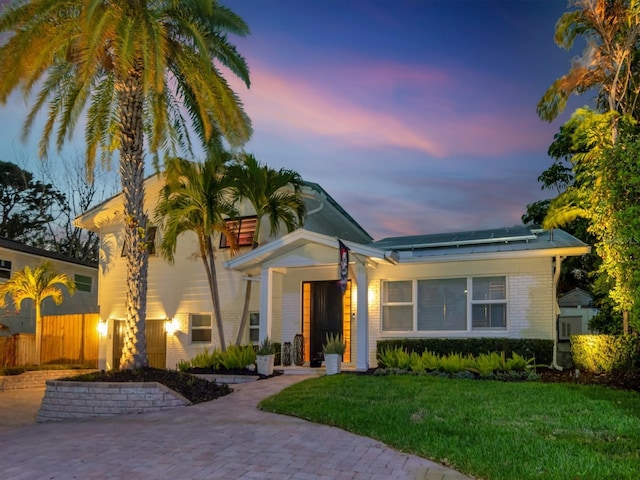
{"points": [[171, 326], [102, 328]]}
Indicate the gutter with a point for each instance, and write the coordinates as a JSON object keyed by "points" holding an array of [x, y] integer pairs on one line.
{"points": [[556, 311]]}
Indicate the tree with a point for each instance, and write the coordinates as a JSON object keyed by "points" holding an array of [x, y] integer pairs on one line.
{"points": [[197, 198], [611, 29], [275, 195], [36, 285], [130, 66], [25, 205], [609, 65]]}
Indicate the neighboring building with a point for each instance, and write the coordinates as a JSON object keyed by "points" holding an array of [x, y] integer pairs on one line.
{"points": [[576, 311], [15, 256], [491, 283]]}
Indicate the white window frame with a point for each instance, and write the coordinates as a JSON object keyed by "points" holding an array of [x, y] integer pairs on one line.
{"points": [[200, 327], [411, 303], [470, 304]]}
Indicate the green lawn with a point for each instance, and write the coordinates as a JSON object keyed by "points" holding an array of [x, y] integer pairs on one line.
{"points": [[491, 430]]}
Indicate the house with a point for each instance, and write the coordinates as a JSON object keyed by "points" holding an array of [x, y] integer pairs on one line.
{"points": [[15, 256], [490, 283]]}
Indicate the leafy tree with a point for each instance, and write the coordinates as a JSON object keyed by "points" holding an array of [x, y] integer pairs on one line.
{"points": [[197, 198], [598, 141], [25, 205], [130, 66], [36, 285], [275, 195]]}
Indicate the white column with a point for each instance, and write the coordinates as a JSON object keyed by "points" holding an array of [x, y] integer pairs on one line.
{"points": [[266, 310], [362, 321]]}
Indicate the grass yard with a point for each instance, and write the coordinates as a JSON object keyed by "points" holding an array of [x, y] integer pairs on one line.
{"points": [[490, 430]]}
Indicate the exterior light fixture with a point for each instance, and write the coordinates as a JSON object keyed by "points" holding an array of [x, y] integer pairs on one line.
{"points": [[103, 328], [171, 326]]}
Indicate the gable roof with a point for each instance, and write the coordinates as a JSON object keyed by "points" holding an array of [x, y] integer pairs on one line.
{"points": [[576, 297], [21, 247]]}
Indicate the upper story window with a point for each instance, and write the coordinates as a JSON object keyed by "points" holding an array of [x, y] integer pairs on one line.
{"points": [[83, 283], [150, 240], [451, 304], [5, 269], [242, 230]]}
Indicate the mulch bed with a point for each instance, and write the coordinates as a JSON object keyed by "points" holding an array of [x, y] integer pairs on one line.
{"points": [[619, 380]]}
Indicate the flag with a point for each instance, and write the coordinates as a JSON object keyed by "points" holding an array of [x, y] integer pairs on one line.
{"points": [[343, 265]]}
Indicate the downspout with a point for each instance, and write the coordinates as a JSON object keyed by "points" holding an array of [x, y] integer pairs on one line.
{"points": [[556, 311]]}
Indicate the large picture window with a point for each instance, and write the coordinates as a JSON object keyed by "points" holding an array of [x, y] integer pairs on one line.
{"points": [[439, 305], [242, 229], [200, 328]]}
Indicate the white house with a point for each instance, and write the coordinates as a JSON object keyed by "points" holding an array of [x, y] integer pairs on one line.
{"points": [[15, 256], [491, 283]]}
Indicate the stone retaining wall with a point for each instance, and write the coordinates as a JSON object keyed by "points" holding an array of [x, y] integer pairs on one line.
{"points": [[64, 400], [36, 378]]}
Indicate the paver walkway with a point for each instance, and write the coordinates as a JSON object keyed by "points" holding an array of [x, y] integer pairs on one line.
{"points": [[228, 438]]}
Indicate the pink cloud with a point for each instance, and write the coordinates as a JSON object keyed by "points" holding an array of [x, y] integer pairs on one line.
{"points": [[363, 111]]}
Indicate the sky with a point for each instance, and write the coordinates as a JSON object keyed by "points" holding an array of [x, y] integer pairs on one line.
{"points": [[416, 116]]}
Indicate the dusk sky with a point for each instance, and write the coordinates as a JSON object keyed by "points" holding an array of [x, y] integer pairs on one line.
{"points": [[416, 116]]}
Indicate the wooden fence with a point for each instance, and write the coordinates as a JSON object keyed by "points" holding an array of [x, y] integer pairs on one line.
{"points": [[66, 339]]}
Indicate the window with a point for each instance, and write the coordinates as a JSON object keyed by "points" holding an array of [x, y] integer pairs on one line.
{"points": [[200, 328], [489, 302], [150, 240], [254, 328], [83, 283], [444, 304], [5, 269], [242, 229]]}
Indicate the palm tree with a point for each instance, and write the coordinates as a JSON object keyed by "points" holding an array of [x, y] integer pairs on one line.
{"points": [[196, 198], [275, 195], [36, 285], [611, 29], [129, 66]]}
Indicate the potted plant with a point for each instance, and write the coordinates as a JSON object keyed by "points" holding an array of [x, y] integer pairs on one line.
{"points": [[265, 358], [333, 350]]}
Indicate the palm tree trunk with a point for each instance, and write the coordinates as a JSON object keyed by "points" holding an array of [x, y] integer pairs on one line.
{"points": [[208, 258], [38, 358], [130, 96], [245, 313]]}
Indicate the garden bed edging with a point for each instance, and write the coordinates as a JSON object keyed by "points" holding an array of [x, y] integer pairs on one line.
{"points": [[72, 400], [36, 378]]}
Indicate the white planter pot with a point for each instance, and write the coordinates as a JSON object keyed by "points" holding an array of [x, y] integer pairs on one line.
{"points": [[264, 364], [333, 363]]}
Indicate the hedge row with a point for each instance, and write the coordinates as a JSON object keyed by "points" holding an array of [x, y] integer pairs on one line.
{"points": [[541, 350], [604, 353]]}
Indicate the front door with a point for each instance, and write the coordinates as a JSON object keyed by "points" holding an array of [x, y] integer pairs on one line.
{"points": [[325, 310], [156, 342]]}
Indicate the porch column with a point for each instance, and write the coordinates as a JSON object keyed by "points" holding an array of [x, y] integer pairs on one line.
{"points": [[266, 310], [362, 321]]}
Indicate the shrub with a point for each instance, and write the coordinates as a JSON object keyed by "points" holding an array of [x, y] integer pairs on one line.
{"points": [[604, 353], [425, 362], [237, 357], [541, 350], [334, 344], [394, 358]]}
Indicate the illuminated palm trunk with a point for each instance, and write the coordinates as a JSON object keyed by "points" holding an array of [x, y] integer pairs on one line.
{"points": [[130, 100], [208, 258]]}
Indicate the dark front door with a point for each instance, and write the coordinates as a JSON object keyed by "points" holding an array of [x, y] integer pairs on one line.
{"points": [[326, 314]]}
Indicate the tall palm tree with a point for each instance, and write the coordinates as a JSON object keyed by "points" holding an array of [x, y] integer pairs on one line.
{"points": [[196, 198], [129, 66], [611, 29], [36, 285], [275, 195]]}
